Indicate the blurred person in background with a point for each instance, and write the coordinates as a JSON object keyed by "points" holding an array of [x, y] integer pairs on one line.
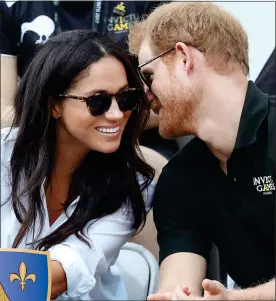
{"points": [[72, 180], [266, 81], [220, 188], [27, 24]]}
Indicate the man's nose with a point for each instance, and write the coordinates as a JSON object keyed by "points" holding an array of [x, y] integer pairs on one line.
{"points": [[149, 94], [146, 88]]}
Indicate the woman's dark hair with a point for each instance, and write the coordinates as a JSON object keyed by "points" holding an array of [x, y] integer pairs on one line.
{"points": [[103, 182]]}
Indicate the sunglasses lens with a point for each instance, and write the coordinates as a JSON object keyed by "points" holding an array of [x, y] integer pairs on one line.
{"points": [[129, 99], [145, 78], [98, 104]]}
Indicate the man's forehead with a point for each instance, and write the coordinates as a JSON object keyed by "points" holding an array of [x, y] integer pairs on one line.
{"points": [[145, 52]]}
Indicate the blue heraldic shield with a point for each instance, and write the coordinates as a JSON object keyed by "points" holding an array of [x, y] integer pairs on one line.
{"points": [[24, 275]]}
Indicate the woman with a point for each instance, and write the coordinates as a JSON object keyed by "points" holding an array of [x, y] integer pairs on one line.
{"points": [[71, 177]]}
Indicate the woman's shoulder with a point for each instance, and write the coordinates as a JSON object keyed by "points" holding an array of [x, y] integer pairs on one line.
{"points": [[8, 137], [8, 134]]}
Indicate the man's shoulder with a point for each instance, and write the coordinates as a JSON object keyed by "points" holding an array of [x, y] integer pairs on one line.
{"points": [[192, 155], [193, 164]]}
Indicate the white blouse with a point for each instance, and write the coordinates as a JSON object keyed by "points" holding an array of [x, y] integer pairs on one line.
{"points": [[91, 273]]}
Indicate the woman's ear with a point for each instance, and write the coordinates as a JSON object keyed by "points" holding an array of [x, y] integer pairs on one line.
{"points": [[55, 109], [55, 112]]}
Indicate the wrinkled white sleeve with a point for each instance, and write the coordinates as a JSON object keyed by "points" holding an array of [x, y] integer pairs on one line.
{"points": [[106, 236]]}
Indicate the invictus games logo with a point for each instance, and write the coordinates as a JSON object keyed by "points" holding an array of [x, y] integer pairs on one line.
{"points": [[264, 184], [119, 24], [122, 21]]}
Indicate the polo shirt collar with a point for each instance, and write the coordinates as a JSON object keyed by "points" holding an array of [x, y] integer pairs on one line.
{"points": [[254, 111]]}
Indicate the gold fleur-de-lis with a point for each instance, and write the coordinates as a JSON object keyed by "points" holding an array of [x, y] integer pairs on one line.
{"points": [[22, 276]]}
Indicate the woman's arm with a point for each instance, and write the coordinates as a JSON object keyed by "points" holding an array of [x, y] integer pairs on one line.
{"points": [[74, 264], [59, 282]]}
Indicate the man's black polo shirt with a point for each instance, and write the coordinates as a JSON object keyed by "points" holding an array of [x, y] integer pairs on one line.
{"points": [[196, 204]]}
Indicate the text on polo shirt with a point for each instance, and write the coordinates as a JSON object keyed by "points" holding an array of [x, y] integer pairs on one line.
{"points": [[264, 184]]}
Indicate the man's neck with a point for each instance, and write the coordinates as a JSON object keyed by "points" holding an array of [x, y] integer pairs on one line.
{"points": [[220, 116]]}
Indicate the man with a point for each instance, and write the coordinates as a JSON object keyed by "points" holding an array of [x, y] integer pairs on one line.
{"points": [[27, 24], [221, 187]]}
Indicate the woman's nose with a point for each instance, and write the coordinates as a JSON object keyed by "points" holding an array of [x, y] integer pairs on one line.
{"points": [[114, 112]]}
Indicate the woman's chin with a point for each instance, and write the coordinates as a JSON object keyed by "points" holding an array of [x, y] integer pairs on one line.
{"points": [[108, 148]]}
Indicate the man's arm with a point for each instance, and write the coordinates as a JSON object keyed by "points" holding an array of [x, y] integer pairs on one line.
{"points": [[8, 87], [179, 208], [214, 290], [261, 292], [182, 268]]}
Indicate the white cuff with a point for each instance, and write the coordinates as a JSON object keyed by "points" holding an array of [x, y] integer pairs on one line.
{"points": [[79, 280]]}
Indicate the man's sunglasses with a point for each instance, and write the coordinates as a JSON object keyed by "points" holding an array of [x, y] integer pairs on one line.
{"points": [[146, 77], [100, 103]]}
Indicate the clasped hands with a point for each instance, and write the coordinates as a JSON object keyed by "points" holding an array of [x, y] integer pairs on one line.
{"points": [[213, 290]]}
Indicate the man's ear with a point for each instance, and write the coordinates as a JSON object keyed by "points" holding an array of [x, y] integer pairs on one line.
{"points": [[183, 52]]}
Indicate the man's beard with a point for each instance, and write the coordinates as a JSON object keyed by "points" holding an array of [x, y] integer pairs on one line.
{"points": [[179, 113]]}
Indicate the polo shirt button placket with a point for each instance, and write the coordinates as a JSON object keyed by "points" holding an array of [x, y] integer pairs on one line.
{"points": [[239, 195]]}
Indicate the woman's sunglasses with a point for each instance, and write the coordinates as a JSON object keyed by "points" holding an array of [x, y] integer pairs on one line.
{"points": [[100, 103]]}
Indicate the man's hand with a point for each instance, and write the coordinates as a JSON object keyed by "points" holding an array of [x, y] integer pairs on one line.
{"points": [[167, 296], [213, 290]]}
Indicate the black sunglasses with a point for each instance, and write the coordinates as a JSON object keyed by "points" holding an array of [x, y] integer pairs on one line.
{"points": [[100, 103], [146, 77]]}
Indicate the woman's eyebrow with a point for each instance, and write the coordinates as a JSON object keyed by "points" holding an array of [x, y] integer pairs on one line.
{"points": [[94, 91], [123, 88]]}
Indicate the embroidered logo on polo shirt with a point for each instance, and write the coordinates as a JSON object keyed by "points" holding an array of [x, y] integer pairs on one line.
{"points": [[264, 185]]}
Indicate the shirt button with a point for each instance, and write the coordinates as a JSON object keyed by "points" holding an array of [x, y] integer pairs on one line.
{"points": [[235, 180]]}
